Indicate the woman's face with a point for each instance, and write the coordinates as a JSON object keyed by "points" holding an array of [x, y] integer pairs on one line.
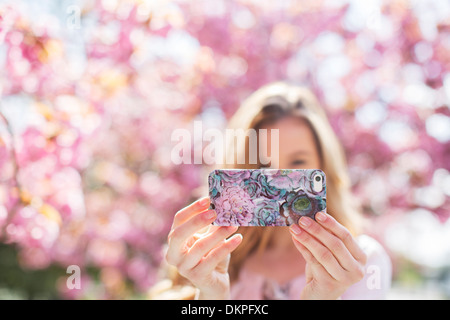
{"points": [[297, 145]]}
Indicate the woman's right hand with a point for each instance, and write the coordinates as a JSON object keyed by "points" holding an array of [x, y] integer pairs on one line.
{"points": [[202, 258]]}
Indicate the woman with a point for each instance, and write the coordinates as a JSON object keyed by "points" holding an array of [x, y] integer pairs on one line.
{"points": [[324, 259]]}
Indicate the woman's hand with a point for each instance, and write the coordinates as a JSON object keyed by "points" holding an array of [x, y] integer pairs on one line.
{"points": [[334, 259], [202, 258]]}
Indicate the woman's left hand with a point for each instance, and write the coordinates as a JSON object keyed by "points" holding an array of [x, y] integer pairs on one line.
{"points": [[334, 259]]}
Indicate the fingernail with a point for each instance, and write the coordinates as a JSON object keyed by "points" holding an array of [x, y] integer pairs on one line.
{"points": [[237, 237], [204, 202], [305, 222], [210, 214], [321, 217], [296, 229]]}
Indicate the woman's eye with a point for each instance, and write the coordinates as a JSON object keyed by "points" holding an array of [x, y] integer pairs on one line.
{"points": [[298, 162]]}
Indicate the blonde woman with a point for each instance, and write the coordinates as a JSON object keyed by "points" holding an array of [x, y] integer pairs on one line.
{"points": [[328, 258]]}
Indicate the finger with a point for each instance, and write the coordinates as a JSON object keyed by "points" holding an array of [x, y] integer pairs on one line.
{"points": [[322, 254], [205, 244], [187, 212], [307, 255], [218, 254], [329, 223], [332, 242], [179, 236], [319, 270]]}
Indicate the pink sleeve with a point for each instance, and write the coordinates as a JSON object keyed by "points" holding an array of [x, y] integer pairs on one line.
{"points": [[249, 286], [378, 273]]}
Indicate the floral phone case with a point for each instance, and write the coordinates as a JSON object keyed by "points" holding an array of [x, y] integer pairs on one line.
{"points": [[266, 197]]}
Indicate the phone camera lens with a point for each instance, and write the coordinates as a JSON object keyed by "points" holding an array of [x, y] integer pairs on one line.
{"points": [[317, 184]]}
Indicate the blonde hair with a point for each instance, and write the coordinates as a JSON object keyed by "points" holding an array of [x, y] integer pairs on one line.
{"points": [[268, 105]]}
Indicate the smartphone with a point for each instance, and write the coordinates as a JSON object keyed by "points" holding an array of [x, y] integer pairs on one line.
{"points": [[266, 197]]}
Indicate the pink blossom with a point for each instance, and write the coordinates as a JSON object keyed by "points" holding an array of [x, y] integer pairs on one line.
{"points": [[234, 207]]}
